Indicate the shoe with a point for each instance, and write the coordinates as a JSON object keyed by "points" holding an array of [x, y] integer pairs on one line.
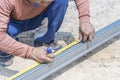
{"points": [[53, 44], [5, 59], [7, 63]]}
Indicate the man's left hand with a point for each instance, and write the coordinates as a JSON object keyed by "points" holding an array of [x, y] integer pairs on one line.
{"points": [[86, 32]]}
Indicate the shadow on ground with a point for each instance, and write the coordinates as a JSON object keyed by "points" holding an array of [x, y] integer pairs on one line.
{"points": [[67, 37], [7, 72]]}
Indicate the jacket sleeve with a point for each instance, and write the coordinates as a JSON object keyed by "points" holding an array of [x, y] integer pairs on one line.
{"points": [[7, 43], [83, 9]]}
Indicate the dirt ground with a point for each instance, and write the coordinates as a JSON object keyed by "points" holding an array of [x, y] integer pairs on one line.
{"points": [[101, 64]]}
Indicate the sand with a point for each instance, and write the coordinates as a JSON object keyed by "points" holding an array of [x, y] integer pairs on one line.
{"points": [[101, 64]]}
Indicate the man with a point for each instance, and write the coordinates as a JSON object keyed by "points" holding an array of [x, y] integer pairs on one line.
{"points": [[18, 16]]}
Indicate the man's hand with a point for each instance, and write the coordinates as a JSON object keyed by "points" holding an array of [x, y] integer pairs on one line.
{"points": [[86, 32], [40, 54]]}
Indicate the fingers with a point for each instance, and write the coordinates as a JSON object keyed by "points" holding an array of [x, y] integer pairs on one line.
{"points": [[44, 48], [80, 37], [47, 59], [88, 37], [44, 59], [51, 56], [86, 32], [85, 38], [40, 55]]}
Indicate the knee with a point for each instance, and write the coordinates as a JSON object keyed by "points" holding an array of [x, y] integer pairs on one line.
{"points": [[62, 3], [12, 30]]}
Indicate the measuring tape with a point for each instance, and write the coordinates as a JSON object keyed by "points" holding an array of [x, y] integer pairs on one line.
{"points": [[36, 64]]}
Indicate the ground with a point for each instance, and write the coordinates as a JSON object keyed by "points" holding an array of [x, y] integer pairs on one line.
{"points": [[102, 64]]}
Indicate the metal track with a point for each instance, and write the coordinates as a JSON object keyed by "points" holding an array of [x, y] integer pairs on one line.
{"points": [[75, 52]]}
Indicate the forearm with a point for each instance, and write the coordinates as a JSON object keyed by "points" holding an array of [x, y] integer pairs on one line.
{"points": [[7, 43], [13, 47], [83, 9]]}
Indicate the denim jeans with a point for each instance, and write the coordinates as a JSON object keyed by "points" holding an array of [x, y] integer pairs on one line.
{"points": [[55, 14]]}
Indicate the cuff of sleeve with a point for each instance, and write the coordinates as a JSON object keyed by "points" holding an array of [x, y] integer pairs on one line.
{"points": [[29, 52], [84, 19]]}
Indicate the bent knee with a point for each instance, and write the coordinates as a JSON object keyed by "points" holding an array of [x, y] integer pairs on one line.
{"points": [[62, 2]]}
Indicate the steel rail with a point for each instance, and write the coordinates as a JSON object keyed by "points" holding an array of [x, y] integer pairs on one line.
{"points": [[71, 54]]}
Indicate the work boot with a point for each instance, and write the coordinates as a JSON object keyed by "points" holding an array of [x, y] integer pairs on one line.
{"points": [[53, 44], [5, 59]]}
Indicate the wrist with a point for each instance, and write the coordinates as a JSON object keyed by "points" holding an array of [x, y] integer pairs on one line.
{"points": [[84, 19], [85, 24], [30, 52]]}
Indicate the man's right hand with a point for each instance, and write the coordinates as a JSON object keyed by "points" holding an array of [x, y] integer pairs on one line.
{"points": [[40, 54]]}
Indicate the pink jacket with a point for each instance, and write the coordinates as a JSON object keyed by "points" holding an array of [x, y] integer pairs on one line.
{"points": [[20, 10]]}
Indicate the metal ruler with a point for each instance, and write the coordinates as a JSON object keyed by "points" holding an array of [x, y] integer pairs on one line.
{"points": [[69, 54]]}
